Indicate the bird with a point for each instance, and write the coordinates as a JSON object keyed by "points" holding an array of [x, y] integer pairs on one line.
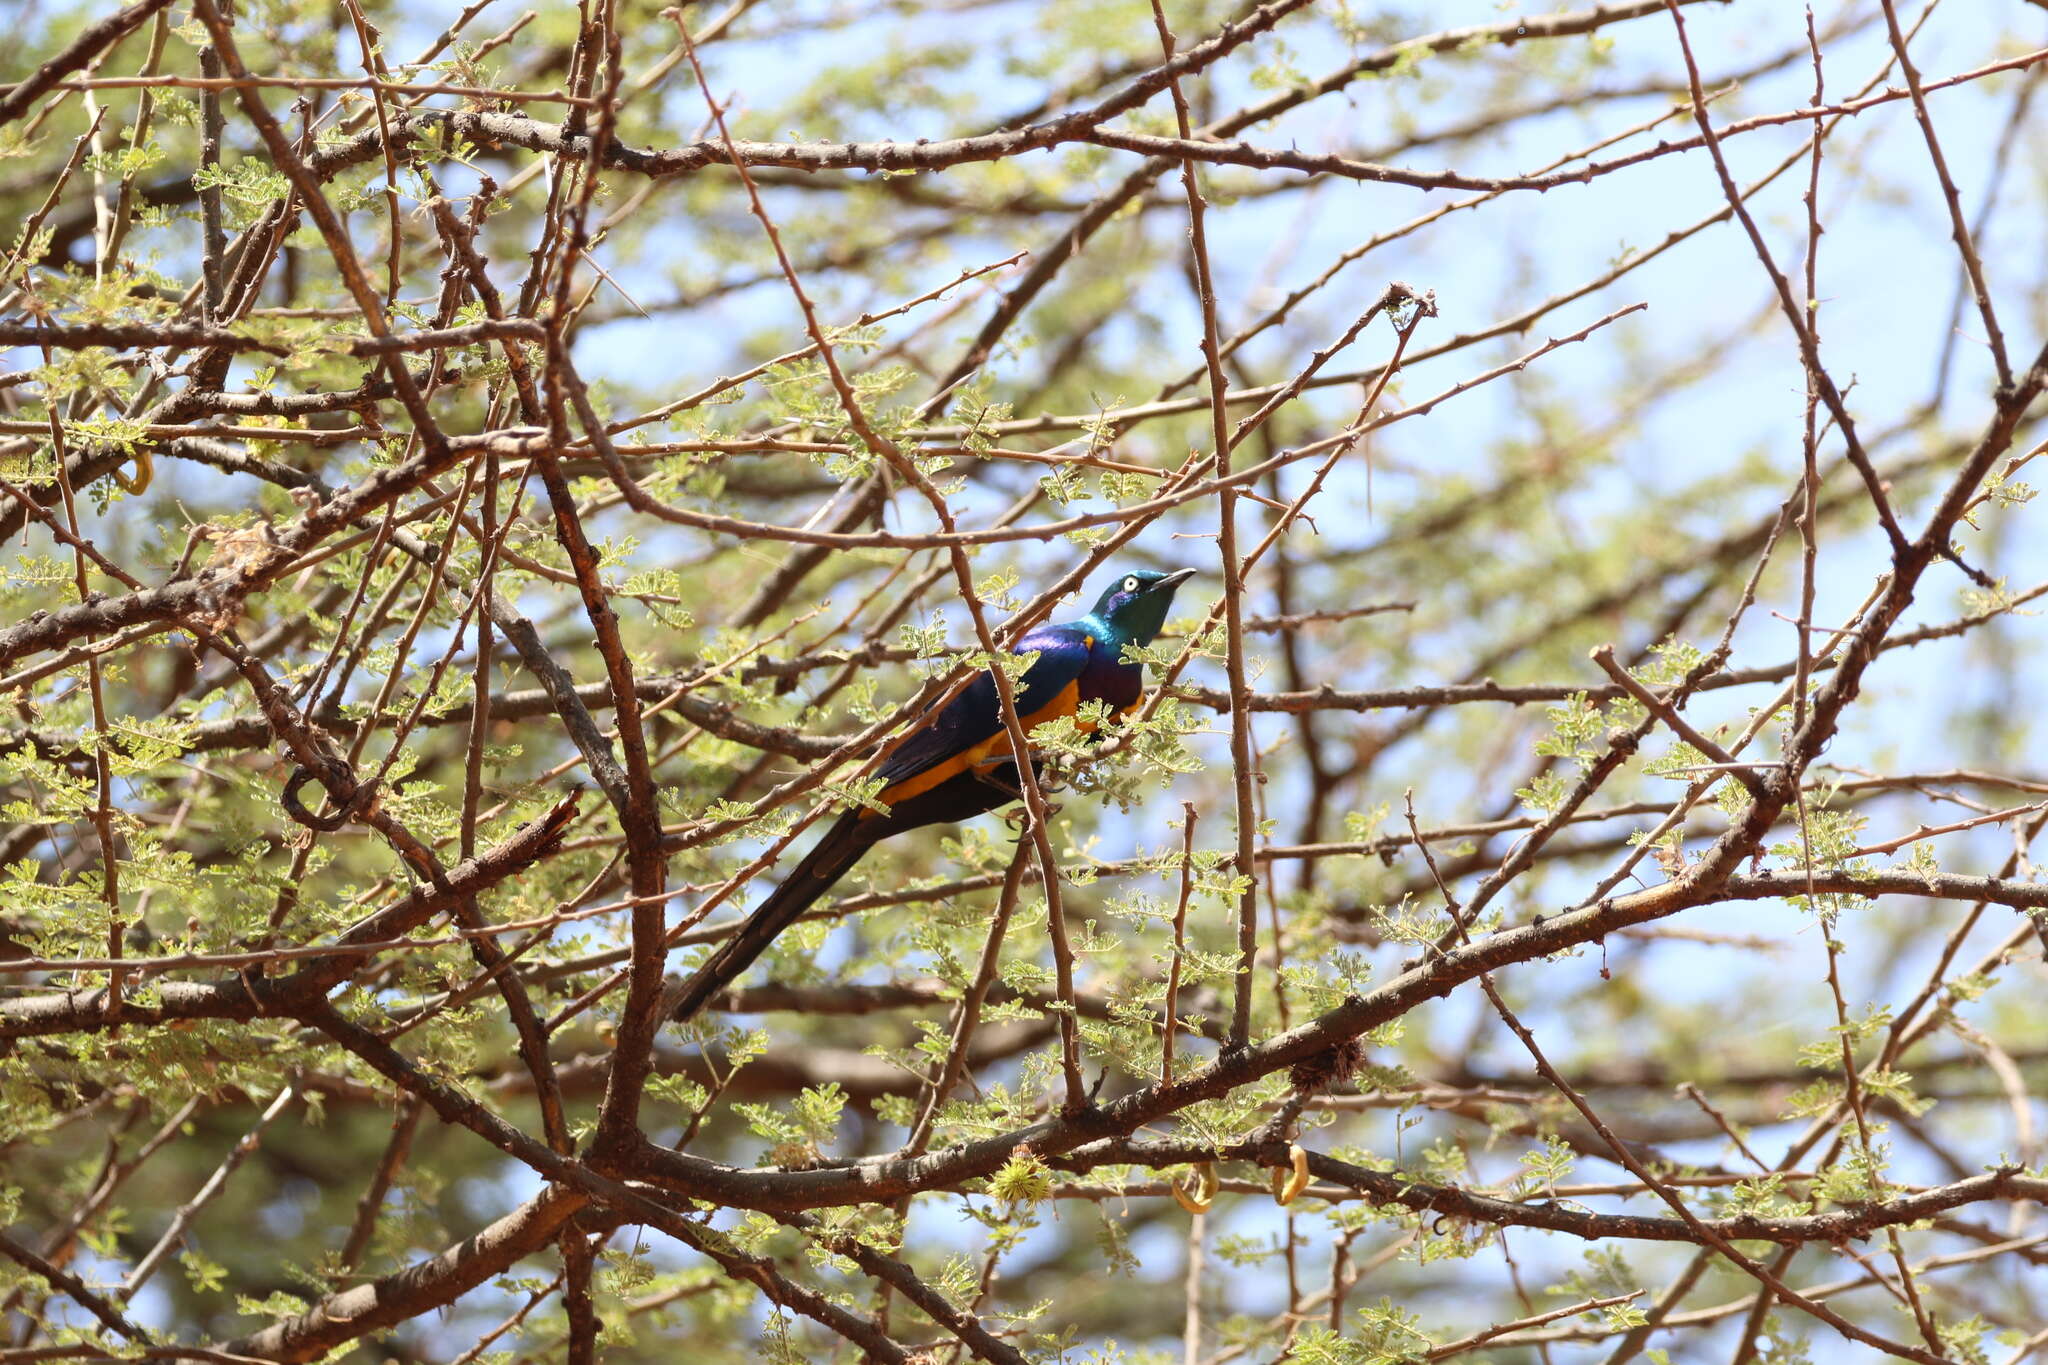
{"points": [[956, 761]]}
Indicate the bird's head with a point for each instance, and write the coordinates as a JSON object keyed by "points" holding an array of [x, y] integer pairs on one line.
{"points": [[1137, 602]]}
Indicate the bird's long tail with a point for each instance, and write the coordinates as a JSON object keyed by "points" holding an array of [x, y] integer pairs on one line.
{"points": [[825, 864]]}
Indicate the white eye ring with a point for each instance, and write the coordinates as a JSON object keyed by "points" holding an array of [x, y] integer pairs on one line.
{"points": [[1130, 584]]}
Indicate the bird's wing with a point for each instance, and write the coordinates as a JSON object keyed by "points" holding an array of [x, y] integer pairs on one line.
{"points": [[969, 729]]}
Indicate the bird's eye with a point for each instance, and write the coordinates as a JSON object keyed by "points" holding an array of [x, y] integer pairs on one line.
{"points": [[1131, 584]]}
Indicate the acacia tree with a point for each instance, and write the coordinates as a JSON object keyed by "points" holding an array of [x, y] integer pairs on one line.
{"points": [[482, 486]]}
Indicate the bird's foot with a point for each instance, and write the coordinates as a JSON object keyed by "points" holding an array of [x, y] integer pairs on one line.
{"points": [[1083, 1108]]}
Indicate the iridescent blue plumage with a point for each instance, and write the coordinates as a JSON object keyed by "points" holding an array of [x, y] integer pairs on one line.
{"points": [[956, 761]]}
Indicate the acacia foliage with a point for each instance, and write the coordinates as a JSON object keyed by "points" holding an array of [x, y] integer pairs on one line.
{"points": [[484, 484]]}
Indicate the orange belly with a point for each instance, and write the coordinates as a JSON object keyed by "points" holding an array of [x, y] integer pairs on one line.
{"points": [[995, 749]]}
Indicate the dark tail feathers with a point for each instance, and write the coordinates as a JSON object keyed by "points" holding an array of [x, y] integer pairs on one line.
{"points": [[832, 857]]}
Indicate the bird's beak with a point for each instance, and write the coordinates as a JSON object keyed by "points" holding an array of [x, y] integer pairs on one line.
{"points": [[1173, 580]]}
